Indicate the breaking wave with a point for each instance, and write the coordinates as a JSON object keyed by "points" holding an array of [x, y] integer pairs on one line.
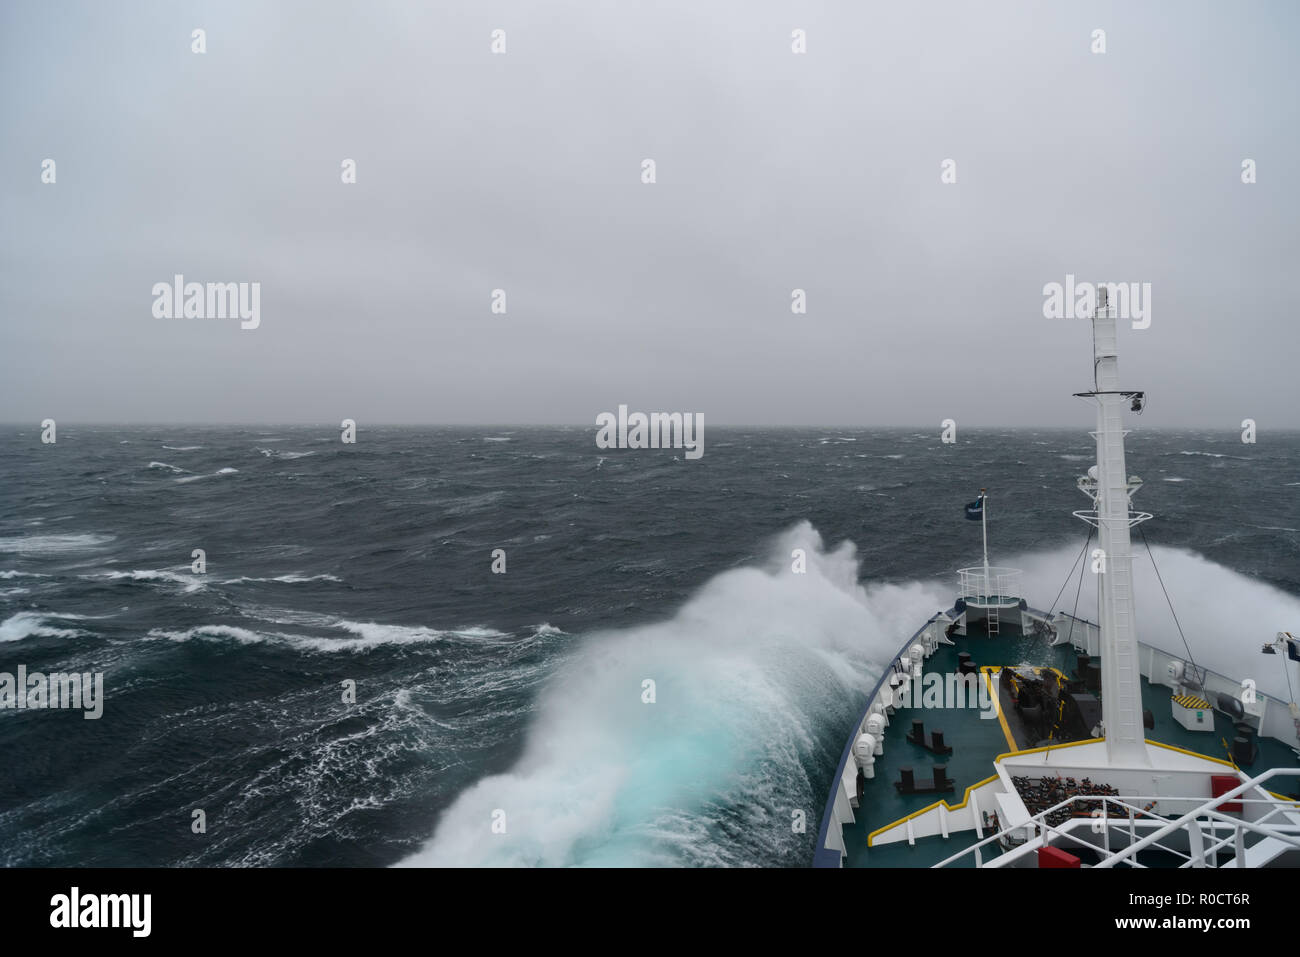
{"points": [[750, 677]]}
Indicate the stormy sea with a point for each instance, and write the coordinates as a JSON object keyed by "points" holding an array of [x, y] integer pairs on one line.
{"points": [[475, 646]]}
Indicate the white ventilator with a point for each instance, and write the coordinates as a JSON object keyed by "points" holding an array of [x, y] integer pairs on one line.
{"points": [[865, 753]]}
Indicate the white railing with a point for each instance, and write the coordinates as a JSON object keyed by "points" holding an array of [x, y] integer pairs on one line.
{"points": [[995, 585], [1133, 815]]}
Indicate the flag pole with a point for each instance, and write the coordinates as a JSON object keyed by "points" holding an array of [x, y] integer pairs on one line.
{"points": [[984, 527]]}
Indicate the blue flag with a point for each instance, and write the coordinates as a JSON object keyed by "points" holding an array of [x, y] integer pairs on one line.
{"points": [[975, 510]]}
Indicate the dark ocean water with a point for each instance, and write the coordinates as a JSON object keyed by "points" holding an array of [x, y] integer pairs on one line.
{"points": [[522, 692]]}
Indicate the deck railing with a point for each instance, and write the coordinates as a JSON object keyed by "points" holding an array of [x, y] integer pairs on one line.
{"points": [[993, 585], [1133, 814]]}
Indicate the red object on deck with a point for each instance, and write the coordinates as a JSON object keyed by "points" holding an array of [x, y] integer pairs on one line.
{"points": [[1053, 857], [1222, 784]]}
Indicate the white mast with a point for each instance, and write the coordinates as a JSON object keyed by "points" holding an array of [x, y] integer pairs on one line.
{"points": [[1121, 703]]}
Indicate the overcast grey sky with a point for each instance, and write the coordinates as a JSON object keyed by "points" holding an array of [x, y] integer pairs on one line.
{"points": [[522, 172]]}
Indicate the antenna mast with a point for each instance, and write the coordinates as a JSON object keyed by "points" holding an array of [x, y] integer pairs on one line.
{"points": [[1110, 489]]}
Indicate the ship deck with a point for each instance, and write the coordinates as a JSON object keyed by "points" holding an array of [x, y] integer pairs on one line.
{"points": [[976, 741]]}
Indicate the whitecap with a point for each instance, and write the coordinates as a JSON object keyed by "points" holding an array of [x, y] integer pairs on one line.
{"points": [[241, 635], [191, 582], [370, 635], [195, 478], [31, 624], [47, 544], [287, 579]]}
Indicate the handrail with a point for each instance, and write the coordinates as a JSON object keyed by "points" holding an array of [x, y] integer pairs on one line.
{"points": [[1214, 802], [1204, 806]]}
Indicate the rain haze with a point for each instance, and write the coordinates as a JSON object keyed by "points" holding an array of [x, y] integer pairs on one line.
{"points": [[522, 171]]}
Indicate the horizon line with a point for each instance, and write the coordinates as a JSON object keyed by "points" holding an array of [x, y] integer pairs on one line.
{"points": [[937, 428]]}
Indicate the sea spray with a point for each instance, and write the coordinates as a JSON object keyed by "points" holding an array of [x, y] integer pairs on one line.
{"points": [[756, 679], [1226, 617]]}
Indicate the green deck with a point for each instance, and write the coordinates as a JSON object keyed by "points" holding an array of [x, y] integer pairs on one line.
{"points": [[977, 741]]}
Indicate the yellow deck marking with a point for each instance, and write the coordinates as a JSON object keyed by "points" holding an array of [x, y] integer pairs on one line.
{"points": [[997, 703], [930, 807]]}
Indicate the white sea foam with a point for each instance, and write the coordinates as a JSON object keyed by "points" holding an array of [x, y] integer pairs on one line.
{"points": [[165, 465], [182, 448]]}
